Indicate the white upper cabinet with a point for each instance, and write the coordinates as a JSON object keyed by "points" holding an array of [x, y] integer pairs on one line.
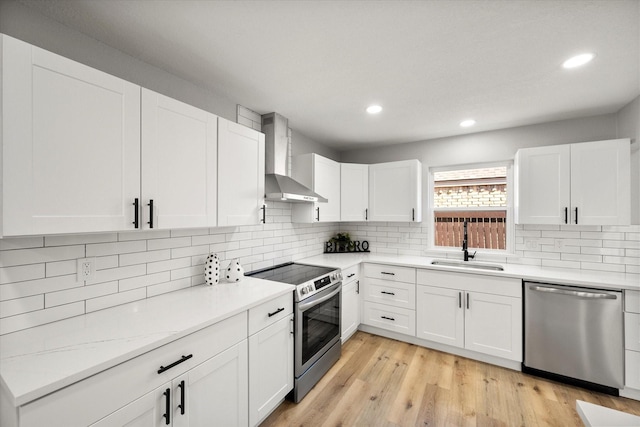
{"points": [[240, 174], [178, 164], [395, 191], [586, 183], [322, 175], [354, 192], [70, 145]]}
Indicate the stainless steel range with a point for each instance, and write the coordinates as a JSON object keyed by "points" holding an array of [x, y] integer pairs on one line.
{"points": [[317, 320]]}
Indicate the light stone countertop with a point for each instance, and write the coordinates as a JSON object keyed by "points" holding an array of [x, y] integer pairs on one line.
{"points": [[562, 276], [40, 360], [600, 416]]}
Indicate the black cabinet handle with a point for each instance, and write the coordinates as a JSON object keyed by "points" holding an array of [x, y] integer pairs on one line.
{"points": [[136, 213], [387, 293], [467, 301], [264, 214], [167, 400], [182, 404], [459, 299], [566, 215], [351, 275], [389, 274], [357, 286], [413, 214], [150, 213], [318, 214], [177, 362], [388, 318], [275, 312], [576, 215], [366, 214]]}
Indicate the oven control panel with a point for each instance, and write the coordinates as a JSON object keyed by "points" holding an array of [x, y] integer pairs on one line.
{"points": [[313, 287]]}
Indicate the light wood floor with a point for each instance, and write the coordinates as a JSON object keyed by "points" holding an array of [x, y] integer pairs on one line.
{"points": [[383, 382]]}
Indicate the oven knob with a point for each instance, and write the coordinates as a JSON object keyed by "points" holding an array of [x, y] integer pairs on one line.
{"points": [[304, 291]]}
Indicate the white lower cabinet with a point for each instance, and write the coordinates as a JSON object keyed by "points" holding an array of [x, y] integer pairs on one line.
{"points": [[213, 393], [350, 302], [478, 313], [270, 356], [632, 344]]}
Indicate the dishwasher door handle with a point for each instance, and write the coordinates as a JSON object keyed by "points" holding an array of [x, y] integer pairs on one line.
{"points": [[580, 294]]}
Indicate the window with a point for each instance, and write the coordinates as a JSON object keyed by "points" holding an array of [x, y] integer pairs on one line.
{"points": [[477, 194]]}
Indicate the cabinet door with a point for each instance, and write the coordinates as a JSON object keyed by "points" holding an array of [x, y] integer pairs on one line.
{"points": [[215, 392], [326, 182], [440, 315], [493, 325], [270, 368], [395, 191], [354, 192], [178, 163], [71, 145], [147, 411], [350, 309], [600, 183], [240, 174], [542, 178]]}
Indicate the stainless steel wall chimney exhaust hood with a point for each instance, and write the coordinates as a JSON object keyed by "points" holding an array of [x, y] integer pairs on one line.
{"points": [[277, 185]]}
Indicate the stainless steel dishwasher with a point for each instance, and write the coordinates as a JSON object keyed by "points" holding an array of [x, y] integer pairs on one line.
{"points": [[575, 335]]}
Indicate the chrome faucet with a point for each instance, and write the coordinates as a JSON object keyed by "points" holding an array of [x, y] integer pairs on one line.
{"points": [[464, 244]]}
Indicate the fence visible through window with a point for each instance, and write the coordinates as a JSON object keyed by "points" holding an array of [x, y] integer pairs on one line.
{"points": [[485, 229]]}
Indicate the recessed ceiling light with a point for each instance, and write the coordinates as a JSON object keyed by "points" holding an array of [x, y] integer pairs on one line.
{"points": [[467, 123], [374, 109], [578, 60]]}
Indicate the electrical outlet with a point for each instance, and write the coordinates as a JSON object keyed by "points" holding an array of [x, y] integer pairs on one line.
{"points": [[531, 244], [86, 269], [558, 244]]}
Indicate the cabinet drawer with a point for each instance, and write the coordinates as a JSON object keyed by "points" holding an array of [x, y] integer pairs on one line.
{"points": [[89, 400], [391, 318], [398, 294], [390, 273], [632, 331], [632, 369], [506, 286], [350, 274], [270, 312], [632, 301]]}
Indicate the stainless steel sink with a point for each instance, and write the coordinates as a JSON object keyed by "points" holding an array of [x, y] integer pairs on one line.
{"points": [[467, 264]]}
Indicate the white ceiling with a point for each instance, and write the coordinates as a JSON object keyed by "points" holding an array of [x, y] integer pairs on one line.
{"points": [[430, 64]]}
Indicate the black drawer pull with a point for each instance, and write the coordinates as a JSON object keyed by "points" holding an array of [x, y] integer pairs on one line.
{"points": [[387, 293], [182, 404], [389, 274], [177, 362], [275, 312], [351, 275], [167, 410], [150, 213], [388, 318]]}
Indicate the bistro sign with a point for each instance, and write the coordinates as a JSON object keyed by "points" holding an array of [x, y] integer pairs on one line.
{"points": [[340, 247]]}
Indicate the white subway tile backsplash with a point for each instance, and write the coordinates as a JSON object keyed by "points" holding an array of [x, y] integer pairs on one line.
{"points": [[36, 287], [120, 273], [79, 239], [12, 243], [11, 258], [601, 235], [602, 251], [104, 262], [52, 299], [143, 257], [21, 305], [184, 232], [40, 317], [163, 288], [103, 249], [143, 235], [61, 268], [628, 244], [143, 281], [155, 267], [208, 239], [190, 251], [560, 264], [173, 242], [602, 267], [21, 273], [187, 272]]}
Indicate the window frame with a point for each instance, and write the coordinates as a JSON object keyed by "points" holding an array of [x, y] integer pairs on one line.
{"points": [[510, 224]]}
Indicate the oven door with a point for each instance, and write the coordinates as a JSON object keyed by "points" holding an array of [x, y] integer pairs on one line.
{"points": [[318, 323]]}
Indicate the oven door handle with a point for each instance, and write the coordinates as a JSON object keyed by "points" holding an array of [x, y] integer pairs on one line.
{"points": [[308, 305]]}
